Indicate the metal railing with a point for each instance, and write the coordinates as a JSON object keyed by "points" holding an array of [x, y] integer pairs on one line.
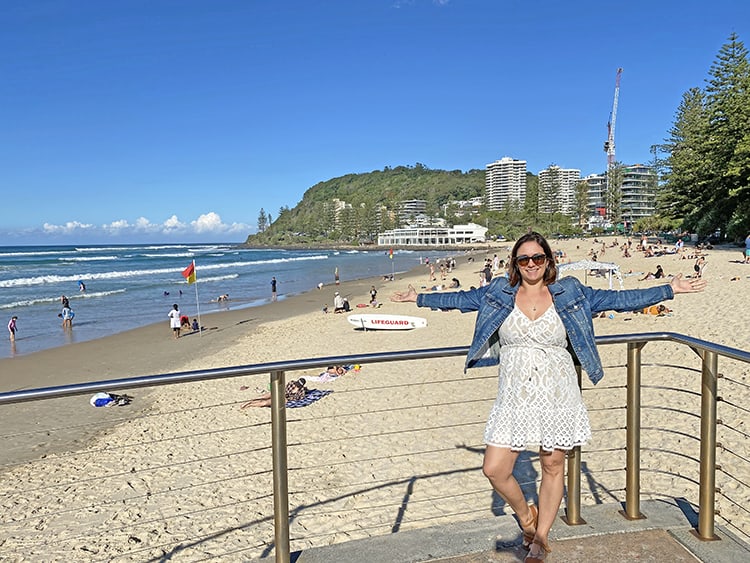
{"points": [[707, 351]]}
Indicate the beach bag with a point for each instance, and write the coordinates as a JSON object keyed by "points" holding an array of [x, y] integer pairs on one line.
{"points": [[109, 399]]}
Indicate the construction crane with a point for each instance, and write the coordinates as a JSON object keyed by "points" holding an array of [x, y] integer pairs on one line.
{"points": [[609, 144]]}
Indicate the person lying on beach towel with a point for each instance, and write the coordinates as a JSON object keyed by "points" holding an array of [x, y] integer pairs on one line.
{"points": [[332, 373], [297, 395], [657, 310]]}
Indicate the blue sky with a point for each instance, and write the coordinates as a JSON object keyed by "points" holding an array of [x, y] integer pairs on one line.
{"points": [[178, 120]]}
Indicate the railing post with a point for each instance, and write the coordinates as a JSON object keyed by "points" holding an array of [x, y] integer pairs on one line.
{"points": [[633, 435], [573, 506], [280, 483], [707, 491]]}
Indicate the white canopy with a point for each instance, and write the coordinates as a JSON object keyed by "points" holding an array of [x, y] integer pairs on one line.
{"points": [[589, 265]]}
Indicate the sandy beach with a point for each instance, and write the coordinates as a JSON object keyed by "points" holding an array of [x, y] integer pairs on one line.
{"points": [[184, 473]]}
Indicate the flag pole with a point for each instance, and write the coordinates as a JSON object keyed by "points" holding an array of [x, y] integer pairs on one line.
{"points": [[197, 302]]}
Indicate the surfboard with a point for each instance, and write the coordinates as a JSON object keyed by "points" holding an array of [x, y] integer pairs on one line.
{"points": [[386, 322]]}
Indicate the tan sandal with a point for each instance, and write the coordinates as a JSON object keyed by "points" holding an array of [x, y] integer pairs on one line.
{"points": [[528, 537], [541, 556]]}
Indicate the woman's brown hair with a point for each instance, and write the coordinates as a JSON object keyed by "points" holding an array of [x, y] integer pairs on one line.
{"points": [[550, 271]]}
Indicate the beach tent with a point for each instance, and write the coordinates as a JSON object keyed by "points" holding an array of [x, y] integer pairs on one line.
{"points": [[591, 265]]}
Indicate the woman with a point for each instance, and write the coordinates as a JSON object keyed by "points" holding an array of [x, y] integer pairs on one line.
{"points": [[655, 275], [294, 391], [174, 320], [525, 323]]}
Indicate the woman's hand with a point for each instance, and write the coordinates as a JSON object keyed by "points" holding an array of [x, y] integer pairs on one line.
{"points": [[693, 285], [409, 295]]}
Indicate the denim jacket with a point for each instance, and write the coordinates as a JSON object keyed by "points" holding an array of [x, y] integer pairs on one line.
{"points": [[575, 303]]}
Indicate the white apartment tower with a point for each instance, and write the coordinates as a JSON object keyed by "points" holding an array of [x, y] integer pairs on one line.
{"points": [[597, 194], [638, 192], [557, 189], [505, 181]]}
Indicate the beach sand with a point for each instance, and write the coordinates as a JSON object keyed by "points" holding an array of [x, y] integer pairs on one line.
{"points": [[184, 473]]}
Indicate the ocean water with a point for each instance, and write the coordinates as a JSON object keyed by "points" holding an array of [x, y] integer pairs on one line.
{"points": [[131, 286]]}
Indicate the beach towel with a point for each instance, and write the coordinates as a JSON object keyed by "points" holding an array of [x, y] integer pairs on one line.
{"points": [[311, 396]]}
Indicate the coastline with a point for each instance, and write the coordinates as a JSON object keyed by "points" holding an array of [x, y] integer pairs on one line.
{"points": [[148, 350], [157, 352]]}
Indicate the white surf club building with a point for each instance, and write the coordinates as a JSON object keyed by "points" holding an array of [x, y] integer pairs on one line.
{"points": [[433, 236]]}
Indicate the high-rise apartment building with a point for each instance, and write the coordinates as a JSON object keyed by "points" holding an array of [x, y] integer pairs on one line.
{"points": [[637, 194], [505, 181], [597, 194], [557, 189], [410, 209]]}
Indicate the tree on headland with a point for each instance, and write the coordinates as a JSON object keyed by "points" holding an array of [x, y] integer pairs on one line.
{"points": [[262, 220], [707, 182]]}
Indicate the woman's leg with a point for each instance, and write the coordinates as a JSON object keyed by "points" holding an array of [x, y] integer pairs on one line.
{"points": [[550, 493], [498, 468], [262, 401]]}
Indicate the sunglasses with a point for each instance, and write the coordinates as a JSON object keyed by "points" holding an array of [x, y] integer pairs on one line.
{"points": [[538, 260]]}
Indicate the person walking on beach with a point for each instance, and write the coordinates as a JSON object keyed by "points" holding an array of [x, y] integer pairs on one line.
{"points": [[174, 320], [273, 289], [12, 328], [524, 324]]}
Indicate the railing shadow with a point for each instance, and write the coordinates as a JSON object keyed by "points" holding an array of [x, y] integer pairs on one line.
{"points": [[468, 496]]}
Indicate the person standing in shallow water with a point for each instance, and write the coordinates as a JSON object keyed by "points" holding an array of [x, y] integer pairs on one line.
{"points": [[12, 328], [524, 324], [273, 289]]}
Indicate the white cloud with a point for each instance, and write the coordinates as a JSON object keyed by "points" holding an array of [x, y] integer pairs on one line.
{"points": [[68, 228], [143, 224], [208, 222], [173, 224], [207, 225]]}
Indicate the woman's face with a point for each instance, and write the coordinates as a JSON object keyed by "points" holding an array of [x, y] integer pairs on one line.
{"points": [[532, 272]]}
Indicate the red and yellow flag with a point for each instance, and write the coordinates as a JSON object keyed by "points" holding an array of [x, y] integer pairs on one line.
{"points": [[390, 254], [189, 273]]}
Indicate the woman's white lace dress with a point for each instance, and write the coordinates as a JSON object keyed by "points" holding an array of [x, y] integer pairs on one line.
{"points": [[538, 400]]}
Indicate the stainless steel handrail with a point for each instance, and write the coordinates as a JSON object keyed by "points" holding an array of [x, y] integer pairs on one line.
{"points": [[221, 373], [708, 351]]}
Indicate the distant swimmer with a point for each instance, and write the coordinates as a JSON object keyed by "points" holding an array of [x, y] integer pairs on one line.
{"points": [[81, 286]]}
